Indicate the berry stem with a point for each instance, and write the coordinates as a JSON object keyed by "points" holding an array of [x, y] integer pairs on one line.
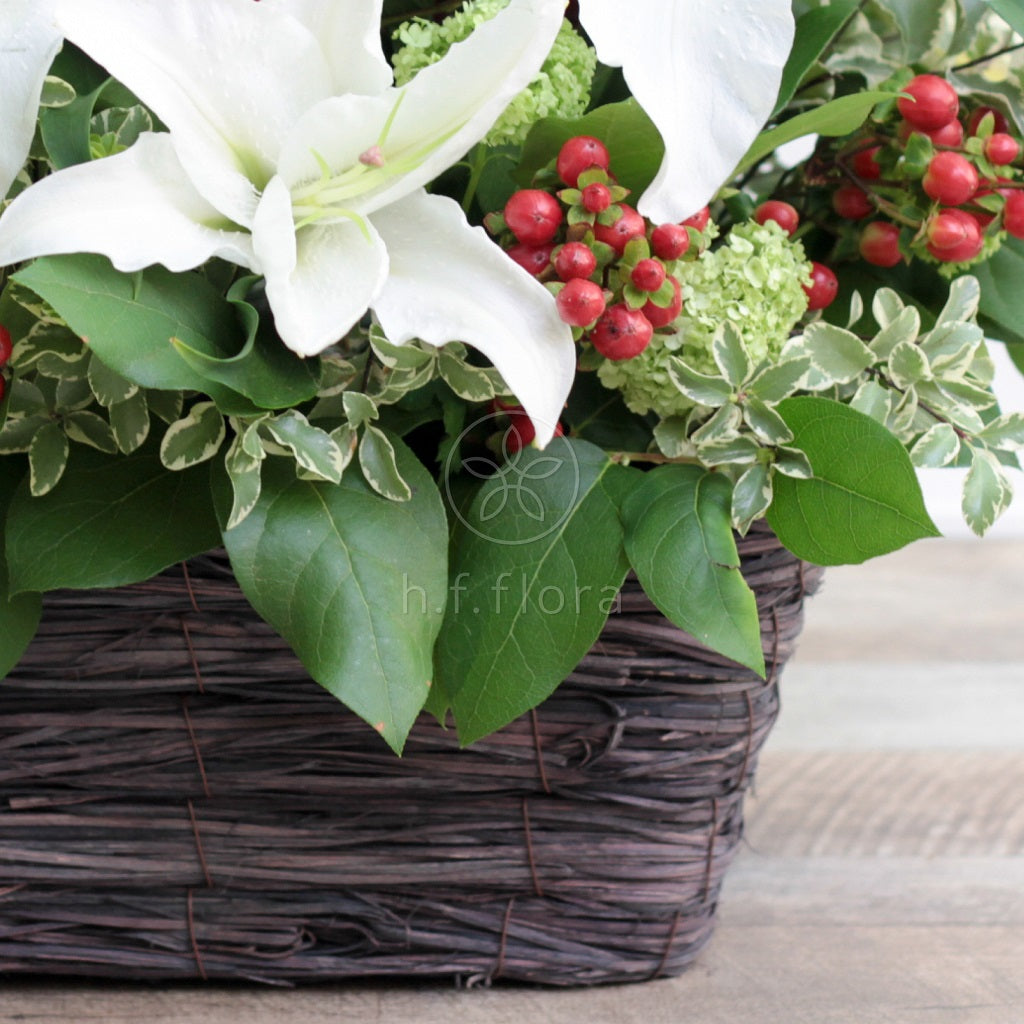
{"points": [[987, 57], [477, 164]]}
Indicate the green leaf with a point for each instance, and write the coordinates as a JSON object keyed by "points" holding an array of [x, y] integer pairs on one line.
{"points": [[752, 495], [469, 382], [836, 353], [680, 542], [112, 520], [765, 422], [244, 471], [193, 439], [863, 500], [313, 449], [88, 428], [815, 29], [775, 382], [47, 458], [731, 356], [129, 420], [837, 117], [108, 386], [673, 437], [19, 614], [377, 461], [699, 387], [130, 320], [1001, 310], [987, 492], [1011, 11], [355, 583], [537, 566]]}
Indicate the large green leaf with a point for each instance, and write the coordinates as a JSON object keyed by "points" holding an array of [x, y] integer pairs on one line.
{"points": [[130, 321], [1001, 312], [863, 500], [680, 543], [354, 582], [112, 520], [537, 564], [19, 614], [1011, 11]]}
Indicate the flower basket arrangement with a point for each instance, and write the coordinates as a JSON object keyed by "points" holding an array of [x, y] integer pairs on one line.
{"points": [[403, 399]]}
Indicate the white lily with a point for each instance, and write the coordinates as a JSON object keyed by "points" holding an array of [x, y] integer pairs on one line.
{"points": [[29, 40], [707, 74], [289, 152]]}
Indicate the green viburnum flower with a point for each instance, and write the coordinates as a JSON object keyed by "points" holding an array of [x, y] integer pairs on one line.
{"points": [[755, 281], [560, 89]]}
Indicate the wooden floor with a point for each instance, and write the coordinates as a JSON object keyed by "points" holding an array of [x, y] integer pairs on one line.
{"points": [[883, 876]]}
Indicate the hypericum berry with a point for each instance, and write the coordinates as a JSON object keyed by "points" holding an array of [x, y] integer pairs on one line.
{"points": [[999, 122], [621, 333], [662, 316], [950, 135], [630, 225], [934, 102], [698, 220], [574, 259], [865, 164], [580, 302], [1000, 149], [1013, 214], [880, 244], [533, 216], [534, 258], [579, 154], [669, 241], [782, 213], [597, 197], [823, 287], [851, 202], [954, 236], [951, 178], [648, 275], [6, 345]]}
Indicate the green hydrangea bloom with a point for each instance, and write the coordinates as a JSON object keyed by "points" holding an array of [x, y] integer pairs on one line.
{"points": [[755, 280], [561, 88]]}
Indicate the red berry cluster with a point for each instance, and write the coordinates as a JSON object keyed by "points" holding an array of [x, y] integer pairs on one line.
{"points": [[933, 185], [613, 272], [521, 430], [6, 348]]}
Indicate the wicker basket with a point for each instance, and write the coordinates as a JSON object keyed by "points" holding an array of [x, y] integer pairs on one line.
{"points": [[177, 800]]}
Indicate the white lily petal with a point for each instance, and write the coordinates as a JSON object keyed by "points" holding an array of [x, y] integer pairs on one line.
{"points": [[450, 282], [229, 78], [136, 208], [449, 106], [320, 280], [29, 40], [707, 74], [350, 36]]}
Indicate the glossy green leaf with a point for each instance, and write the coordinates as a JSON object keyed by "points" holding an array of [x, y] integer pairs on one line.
{"points": [[354, 582], [1011, 11], [864, 499], [537, 565], [19, 614], [1001, 309], [113, 520], [680, 543]]}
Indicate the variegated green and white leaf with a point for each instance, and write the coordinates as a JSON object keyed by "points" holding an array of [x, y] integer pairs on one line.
{"points": [[699, 387], [88, 428], [672, 436], [937, 398], [165, 405], [17, 433], [70, 395], [313, 448], [346, 437], [962, 303], [983, 369], [773, 383], [56, 93], [751, 496], [1005, 433], [837, 354], [793, 462], [64, 365], [407, 357], [472, 383], [736, 451], [938, 446], [856, 309], [902, 419], [336, 375], [244, 473], [359, 408], [379, 466], [731, 355], [195, 438], [125, 124], [987, 492], [393, 385], [908, 365], [765, 422], [886, 306], [47, 458], [873, 400], [109, 387], [903, 329], [724, 424], [129, 420]]}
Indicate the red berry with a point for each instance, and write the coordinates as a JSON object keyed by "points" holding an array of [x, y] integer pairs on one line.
{"points": [[630, 225], [6, 345], [574, 259], [621, 333], [533, 216], [954, 236], [999, 122], [698, 220], [597, 197], [534, 258], [823, 287], [851, 202], [579, 154], [950, 178], [865, 164], [662, 316], [580, 302], [648, 275], [1000, 149], [880, 244], [934, 102], [949, 135], [520, 433], [1013, 214], [669, 241], [782, 213]]}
